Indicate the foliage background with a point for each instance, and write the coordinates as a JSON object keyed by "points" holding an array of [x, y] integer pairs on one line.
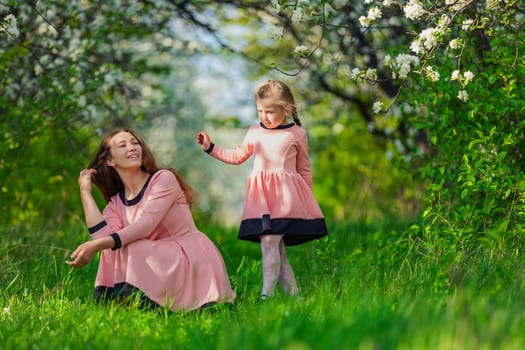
{"points": [[444, 156]]}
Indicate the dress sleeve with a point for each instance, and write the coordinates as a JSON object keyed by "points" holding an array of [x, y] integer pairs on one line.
{"points": [[165, 190], [112, 222], [304, 167], [236, 155]]}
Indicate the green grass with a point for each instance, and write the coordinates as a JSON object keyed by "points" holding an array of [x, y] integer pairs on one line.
{"points": [[366, 287]]}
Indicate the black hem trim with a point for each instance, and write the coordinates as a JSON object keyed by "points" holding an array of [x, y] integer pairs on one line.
{"points": [[295, 231], [210, 149], [121, 291], [97, 227], [116, 239]]}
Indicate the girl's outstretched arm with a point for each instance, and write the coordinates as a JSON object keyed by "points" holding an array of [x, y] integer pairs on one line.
{"points": [[204, 140], [231, 156]]}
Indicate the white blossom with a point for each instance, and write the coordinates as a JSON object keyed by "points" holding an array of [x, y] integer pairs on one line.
{"points": [[454, 43], [371, 74], [368, 2], [374, 13], [443, 23], [455, 75], [388, 3], [297, 15], [38, 69], [404, 64], [463, 95], [416, 47], [429, 37], [468, 75], [276, 5], [6, 311], [414, 10], [467, 24], [356, 72], [10, 26], [377, 107], [388, 60], [365, 21], [301, 50], [431, 73]]}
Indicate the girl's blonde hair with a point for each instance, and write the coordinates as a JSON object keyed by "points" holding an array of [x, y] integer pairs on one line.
{"points": [[281, 93]]}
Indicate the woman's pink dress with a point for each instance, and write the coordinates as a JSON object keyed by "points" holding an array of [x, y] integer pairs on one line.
{"points": [[162, 253], [279, 197]]}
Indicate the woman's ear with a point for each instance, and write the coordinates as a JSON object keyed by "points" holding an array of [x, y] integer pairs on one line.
{"points": [[110, 162]]}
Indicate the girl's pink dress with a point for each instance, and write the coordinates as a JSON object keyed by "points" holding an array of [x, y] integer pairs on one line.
{"points": [[279, 197], [162, 253]]}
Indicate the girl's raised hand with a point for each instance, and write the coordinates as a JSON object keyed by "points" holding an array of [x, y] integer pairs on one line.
{"points": [[204, 140]]}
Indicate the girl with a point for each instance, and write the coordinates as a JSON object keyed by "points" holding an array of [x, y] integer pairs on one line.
{"points": [[146, 235], [279, 206]]}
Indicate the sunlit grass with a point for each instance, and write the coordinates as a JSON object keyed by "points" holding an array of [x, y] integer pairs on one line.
{"points": [[366, 287]]}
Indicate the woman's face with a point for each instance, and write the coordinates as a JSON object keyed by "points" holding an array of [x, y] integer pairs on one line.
{"points": [[270, 113], [126, 151]]}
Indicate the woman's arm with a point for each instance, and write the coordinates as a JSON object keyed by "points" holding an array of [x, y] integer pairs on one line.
{"points": [[85, 252], [165, 191], [92, 213]]}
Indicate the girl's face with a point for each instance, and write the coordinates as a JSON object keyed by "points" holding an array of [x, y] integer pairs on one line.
{"points": [[270, 113], [126, 151]]}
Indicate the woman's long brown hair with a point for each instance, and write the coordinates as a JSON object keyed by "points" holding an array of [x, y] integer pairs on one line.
{"points": [[107, 179]]}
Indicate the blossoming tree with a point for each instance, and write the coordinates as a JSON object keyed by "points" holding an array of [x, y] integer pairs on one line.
{"points": [[441, 81], [449, 77]]}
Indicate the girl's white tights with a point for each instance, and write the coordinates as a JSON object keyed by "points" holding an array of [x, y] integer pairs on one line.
{"points": [[276, 266]]}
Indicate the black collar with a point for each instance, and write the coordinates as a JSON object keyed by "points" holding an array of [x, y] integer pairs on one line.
{"points": [[137, 198], [284, 126]]}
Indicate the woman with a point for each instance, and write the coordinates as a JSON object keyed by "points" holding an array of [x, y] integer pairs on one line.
{"points": [[146, 235]]}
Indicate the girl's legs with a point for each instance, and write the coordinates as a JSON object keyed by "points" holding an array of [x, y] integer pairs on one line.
{"points": [[286, 275], [276, 266], [271, 263]]}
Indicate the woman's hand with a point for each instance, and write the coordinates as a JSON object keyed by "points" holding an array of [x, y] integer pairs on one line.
{"points": [[204, 140], [84, 179], [83, 254]]}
